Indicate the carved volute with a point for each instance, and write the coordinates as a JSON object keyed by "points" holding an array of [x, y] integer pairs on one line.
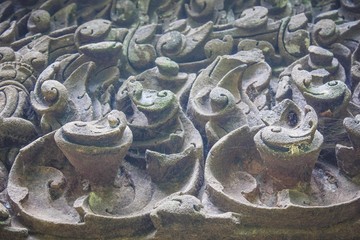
{"points": [[179, 119]]}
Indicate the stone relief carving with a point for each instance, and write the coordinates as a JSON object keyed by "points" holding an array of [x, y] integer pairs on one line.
{"points": [[199, 119]]}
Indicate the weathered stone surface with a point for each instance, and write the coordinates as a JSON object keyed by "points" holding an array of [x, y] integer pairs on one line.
{"points": [[187, 119]]}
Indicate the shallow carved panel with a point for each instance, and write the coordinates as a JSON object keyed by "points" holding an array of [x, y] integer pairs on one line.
{"points": [[189, 119]]}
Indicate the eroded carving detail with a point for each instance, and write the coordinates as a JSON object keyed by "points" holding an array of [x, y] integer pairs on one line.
{"points": [[104, 107]]}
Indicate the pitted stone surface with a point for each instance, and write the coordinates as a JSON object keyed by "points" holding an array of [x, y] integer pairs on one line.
{"points": [[193, 119]]}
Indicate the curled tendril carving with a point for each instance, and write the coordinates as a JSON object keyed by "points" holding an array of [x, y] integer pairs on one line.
{"points": [[198, 119]]}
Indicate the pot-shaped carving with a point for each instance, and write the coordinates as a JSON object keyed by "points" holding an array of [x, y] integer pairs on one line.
{"points": [[96, 149], [291, 145], [154, 119], [52, 196], [237, 180]]}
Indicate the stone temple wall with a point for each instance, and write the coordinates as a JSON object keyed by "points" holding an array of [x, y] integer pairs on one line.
{"points": [[179, 119]]}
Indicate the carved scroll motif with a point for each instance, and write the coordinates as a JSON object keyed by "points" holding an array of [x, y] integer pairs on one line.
{"points": [[194, 119]]}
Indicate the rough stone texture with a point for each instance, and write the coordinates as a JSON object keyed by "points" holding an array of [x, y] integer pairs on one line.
{"points": [[187, 119]]}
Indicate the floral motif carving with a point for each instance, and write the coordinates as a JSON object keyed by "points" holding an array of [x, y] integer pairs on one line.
{"points": [[199, 119]]}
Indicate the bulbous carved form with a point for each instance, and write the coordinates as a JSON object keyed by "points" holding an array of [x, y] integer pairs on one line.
{"points": [[140, 50], [89, 176], [325, 32], [295, 37], [239, 179], [291, 144], [96, 149], [121, 94], [16, 131], [226, 115]]}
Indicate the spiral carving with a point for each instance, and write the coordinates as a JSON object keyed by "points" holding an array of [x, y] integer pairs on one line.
{"points": [[220, 99], [50, 96], [325, 32], [123, 95], [18, 71], [13, 99], [171, 44]]}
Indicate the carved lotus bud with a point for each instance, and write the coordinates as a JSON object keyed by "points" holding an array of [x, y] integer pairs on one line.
{"points": [[291, 144], [296, 38], [141, 52], [96, 149], [102, 102], [317, 79], [225, 115]]}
